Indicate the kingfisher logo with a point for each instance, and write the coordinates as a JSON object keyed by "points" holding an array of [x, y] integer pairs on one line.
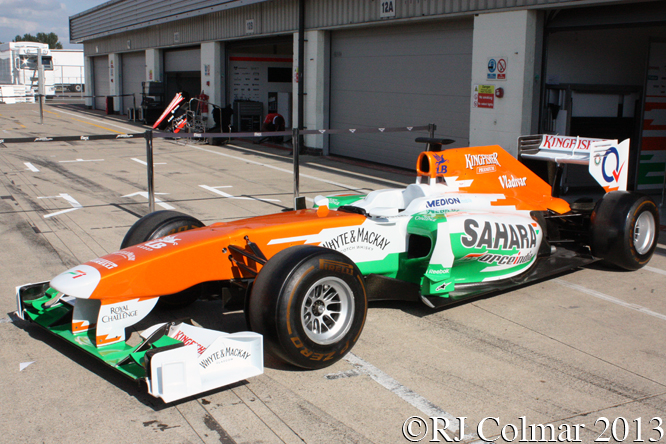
{"points": [[441, 161], [615, 172], [475, 160]]}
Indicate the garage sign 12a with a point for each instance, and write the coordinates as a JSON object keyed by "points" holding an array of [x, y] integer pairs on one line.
{"points": [[387, 9]]}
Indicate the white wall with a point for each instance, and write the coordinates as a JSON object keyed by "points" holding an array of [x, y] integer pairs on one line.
{"points": [[317, 76], [154, 68], [211, 76], [509, 35]]}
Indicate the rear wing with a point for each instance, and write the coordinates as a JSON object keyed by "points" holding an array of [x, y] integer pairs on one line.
{"points": [[607, 160]]}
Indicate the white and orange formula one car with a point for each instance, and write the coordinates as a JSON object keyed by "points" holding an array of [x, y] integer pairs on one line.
{"points": [[476, 220]]}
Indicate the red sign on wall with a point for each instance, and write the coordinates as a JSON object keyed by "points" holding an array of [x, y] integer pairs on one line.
{"points": [[484, 96]]}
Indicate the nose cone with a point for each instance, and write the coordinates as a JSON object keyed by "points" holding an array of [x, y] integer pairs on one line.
{"points": [[79, 282]]}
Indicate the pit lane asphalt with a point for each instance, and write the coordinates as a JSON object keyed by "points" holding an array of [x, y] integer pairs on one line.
{"points": [[585, 345]]}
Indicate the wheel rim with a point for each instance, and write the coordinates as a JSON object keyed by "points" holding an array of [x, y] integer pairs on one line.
{"points": [[644, 232], [327, 311]]}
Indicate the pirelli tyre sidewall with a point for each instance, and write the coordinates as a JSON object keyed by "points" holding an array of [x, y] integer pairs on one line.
{"points": [[625, 228], [159, 224], [294, 291]]}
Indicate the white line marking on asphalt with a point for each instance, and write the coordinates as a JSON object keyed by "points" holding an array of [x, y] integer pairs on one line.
{"points": [[144, 194], [73, 202], [31, 167], [6, 321], [46, 216], [146, 163], [81, 160], [337, 184], [655, 270], [406, 394], [612, 299], [222, 193]]}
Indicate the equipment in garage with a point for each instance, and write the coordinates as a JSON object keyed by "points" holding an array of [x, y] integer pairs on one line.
{"points": [[597, 70], [247, 115], [182, 69], [152, 101]]}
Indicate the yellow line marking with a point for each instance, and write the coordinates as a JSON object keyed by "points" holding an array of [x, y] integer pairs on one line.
{"points": [[51, 112], [99, 126]]}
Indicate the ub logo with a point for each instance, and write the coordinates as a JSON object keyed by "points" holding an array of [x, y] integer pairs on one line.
{"points": [[441, 161], [163, 242]]}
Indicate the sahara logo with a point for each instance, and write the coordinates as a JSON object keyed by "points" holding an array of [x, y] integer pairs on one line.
{"points": [[615, 173], [506, 236], [475, 160], [441, 168]]}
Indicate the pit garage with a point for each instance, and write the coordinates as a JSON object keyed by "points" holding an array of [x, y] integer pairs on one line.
{"points": [[397, 76], [101, 81], [182, 70], [259, 74], [598, 71], [134, 73]]}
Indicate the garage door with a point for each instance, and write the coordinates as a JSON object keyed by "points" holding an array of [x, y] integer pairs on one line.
{"points": [[183, 71], [101, 80], [134, 72], [400, 76]]}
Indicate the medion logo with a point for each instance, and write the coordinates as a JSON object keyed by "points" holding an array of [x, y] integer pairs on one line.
{"points": [[475, 160], [512, 182], [498, 236], [442, 202]]}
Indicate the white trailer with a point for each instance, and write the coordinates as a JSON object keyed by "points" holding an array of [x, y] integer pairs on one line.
{"points": [[68, 70], [19, 66]]}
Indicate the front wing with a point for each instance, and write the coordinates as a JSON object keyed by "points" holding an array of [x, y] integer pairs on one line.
{"points": [[175, 360]]}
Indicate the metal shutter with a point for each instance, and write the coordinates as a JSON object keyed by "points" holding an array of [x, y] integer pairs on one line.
{"points": [[101, 80], [398, 76], [134, 72]]}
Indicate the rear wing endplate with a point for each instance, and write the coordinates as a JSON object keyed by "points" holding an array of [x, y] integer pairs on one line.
{"points": [[607, 160]]}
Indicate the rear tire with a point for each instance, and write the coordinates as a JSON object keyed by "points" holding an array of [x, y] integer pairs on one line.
{"points": [[309, 303], [625, 227], [159, 224]]}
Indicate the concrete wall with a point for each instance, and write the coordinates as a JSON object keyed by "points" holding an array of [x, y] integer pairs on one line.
{"points": [[509, 36]]}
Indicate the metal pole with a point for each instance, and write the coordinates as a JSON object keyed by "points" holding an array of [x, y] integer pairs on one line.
{"points": [[663, 190], [431, 130], [295, 149], [301, 69], [151, 178], [41, 110]]}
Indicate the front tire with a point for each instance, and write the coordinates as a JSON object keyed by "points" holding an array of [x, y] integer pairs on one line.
{"points": [[159, 224], [310, 305], [625, 227]]}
